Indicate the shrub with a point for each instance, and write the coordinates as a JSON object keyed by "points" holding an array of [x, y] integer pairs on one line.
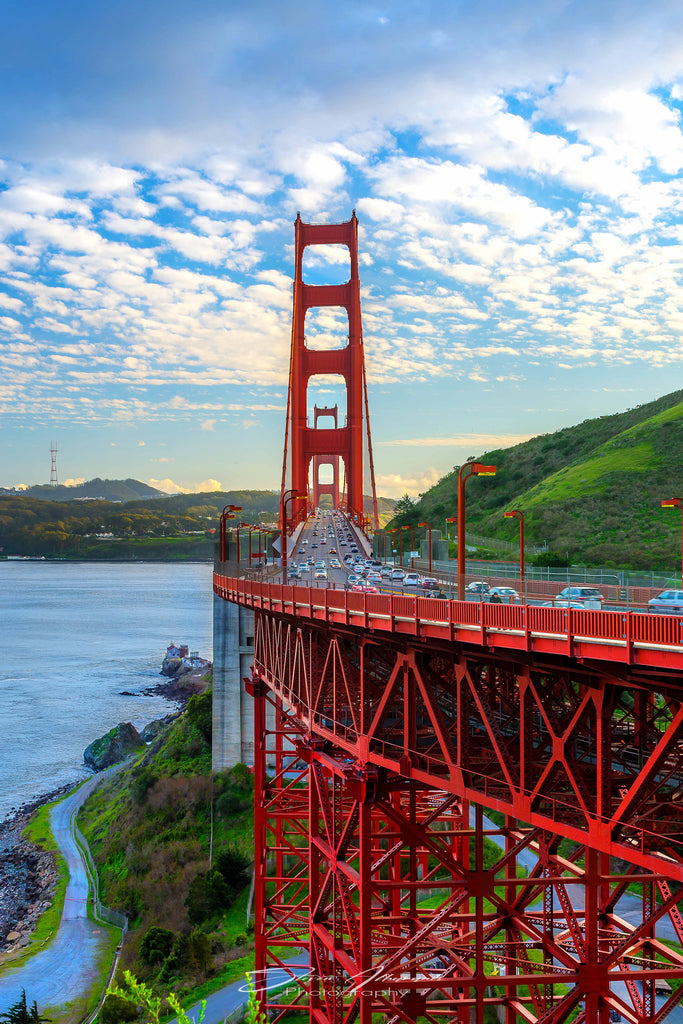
{"points": [[156, 945], [116, 1009], [209, 894], [199, 709], [143, 779], [234, 867]]}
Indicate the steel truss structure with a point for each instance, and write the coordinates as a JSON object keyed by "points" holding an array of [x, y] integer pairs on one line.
{"points": [[443, 834]]}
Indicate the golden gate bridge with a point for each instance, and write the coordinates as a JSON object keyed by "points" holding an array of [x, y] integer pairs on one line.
{"points": [[463, 811]]}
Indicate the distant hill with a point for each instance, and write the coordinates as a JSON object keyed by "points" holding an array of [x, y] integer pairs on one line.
{"points": [[591, 491], [162, 527], [108, 490]]}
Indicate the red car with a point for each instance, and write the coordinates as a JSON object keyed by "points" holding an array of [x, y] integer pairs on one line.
{"points": [[365, 588]]}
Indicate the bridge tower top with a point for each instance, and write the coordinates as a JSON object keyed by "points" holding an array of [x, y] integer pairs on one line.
{"points": [[341, 446]]}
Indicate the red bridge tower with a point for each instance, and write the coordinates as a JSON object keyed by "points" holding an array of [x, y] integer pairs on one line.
{"points": [[339, 444]]}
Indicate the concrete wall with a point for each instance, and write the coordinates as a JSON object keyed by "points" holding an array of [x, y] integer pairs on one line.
{"points": [[233, 657]]}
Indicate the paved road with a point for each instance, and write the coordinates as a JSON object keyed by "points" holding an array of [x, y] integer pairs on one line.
{"points": [[68, 966], [222, 1004]]}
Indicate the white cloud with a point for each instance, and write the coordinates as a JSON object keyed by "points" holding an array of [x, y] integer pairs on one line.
{"points": [[171, 487]]}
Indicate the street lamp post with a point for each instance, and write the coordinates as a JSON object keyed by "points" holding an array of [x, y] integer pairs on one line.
{"points": [[515, 513], [227, 513], [473, 469], [675, 503], [286, 498], [430, 545]]}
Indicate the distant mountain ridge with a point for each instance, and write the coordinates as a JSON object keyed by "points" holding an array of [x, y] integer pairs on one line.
{"points": [[108, 490], [592, 491]]}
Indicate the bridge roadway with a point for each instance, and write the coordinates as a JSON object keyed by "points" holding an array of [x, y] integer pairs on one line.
{"points": [[400, 711]]}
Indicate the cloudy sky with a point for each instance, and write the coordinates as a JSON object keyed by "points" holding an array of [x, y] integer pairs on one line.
{"points": [[516, 171]]}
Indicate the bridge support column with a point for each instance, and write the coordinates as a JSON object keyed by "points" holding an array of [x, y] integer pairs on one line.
{"points": [[233, 657]]}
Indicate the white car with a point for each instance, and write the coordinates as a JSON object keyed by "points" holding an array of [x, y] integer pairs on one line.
{"points": [[411, 579], [397, 574]]}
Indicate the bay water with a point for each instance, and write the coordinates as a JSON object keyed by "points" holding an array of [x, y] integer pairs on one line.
{"points": [[72, 637]]}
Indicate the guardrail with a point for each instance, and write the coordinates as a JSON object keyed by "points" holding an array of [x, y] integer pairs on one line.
{"points": [[626, 637]]}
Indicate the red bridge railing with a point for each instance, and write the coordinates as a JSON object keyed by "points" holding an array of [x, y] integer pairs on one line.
{"points": [[633, 638]]}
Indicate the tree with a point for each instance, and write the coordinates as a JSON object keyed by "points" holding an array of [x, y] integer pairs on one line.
{"points": [[19, 1013], [207, 895], [254, 1015], [200, 950], [234, 867], [156, 945]]}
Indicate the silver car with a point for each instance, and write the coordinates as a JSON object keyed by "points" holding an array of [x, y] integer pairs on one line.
{"points": [[668, 602]]}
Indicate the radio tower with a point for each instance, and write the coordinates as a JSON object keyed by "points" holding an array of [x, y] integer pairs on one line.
{"points": [[54, 482]]}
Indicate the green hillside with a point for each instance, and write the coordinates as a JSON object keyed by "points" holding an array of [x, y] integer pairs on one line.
{"points": [[592, 491]]}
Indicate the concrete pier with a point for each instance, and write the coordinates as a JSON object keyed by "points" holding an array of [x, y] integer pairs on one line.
{"points": [[233, 657]]}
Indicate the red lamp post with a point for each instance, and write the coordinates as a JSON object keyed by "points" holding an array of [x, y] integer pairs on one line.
{"points": [[469, 469], [515, 513], [284, 502], [227, 513], [430, 544], [675, 503]]}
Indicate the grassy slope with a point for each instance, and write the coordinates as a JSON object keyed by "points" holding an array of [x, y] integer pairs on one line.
{"points": [[592, 490], [149, 832]]}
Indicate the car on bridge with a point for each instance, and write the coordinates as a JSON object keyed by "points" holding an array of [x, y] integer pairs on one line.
{"points": [[581, 594], [478, 587], [397, 574], [365, 588], [321, 574], [429, 583], [411, 579], [669, 602]]}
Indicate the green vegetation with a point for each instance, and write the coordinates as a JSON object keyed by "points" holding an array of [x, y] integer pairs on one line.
{"points": [[51, 522], [21, 1013], [169, 528], [591, 492], [174, 845]]}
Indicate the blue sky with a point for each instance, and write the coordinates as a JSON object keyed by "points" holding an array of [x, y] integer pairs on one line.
{"points": [[516, 171]]}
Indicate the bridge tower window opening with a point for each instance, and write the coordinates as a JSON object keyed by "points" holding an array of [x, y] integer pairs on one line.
{"points": [[326, 264], [326, 329]]}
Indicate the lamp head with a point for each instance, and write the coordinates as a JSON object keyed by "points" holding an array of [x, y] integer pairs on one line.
{"points": [[479, 469]]}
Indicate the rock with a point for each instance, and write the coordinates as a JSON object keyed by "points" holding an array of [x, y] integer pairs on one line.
{"points": [[13, 936], [152, 730], [118, 743]]}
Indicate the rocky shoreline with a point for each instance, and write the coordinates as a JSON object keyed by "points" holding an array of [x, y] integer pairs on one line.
{"points": [[28, 874]]}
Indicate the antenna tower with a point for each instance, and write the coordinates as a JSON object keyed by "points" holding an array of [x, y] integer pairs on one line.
{"points": [[54, 482]]}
